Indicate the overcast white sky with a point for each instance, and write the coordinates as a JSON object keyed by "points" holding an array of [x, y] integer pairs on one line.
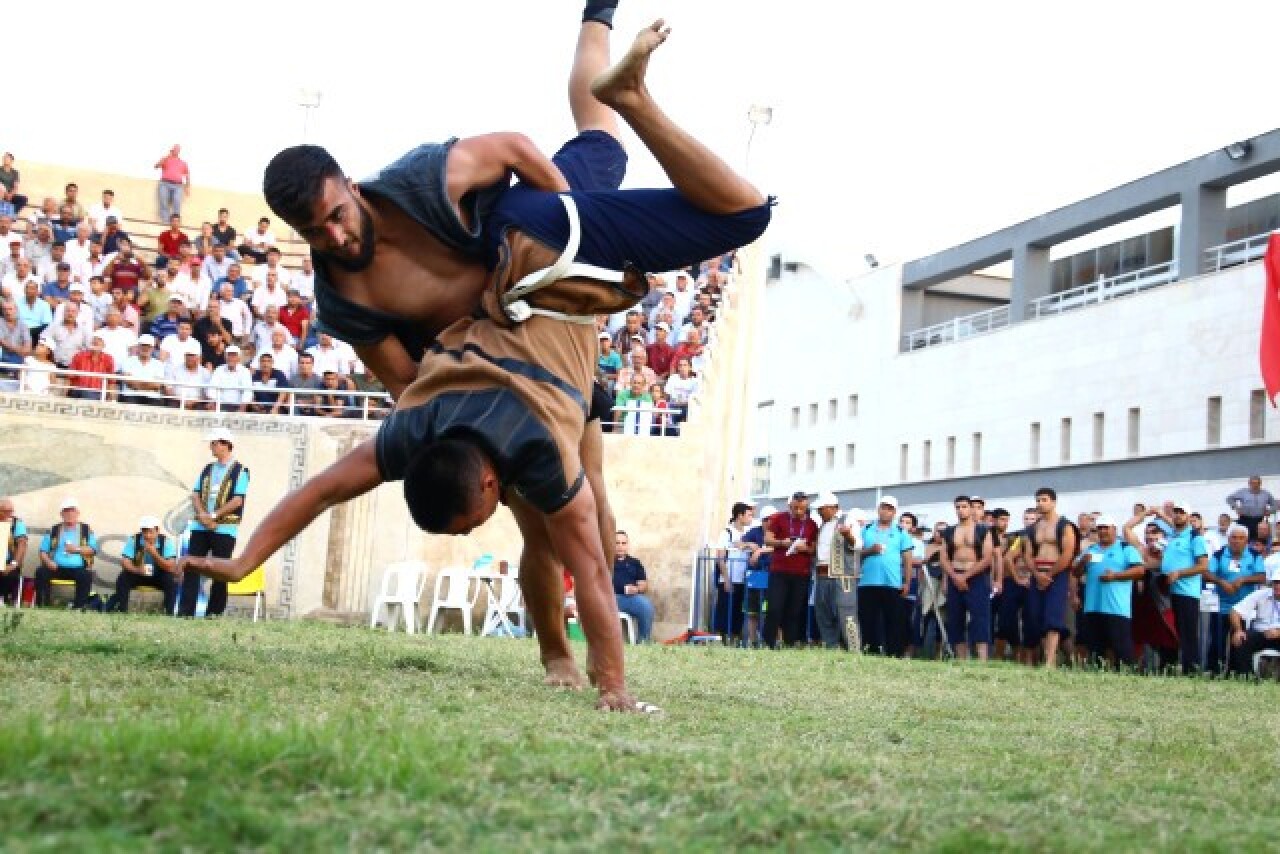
{"points": [[899, 128]]}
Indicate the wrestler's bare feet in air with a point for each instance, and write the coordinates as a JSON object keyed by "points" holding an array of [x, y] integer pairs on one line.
{"points": [[562, 673], [623, 85]]}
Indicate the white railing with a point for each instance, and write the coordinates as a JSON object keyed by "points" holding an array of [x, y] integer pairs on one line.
{"points": [[1104, 289], [196, 397], [1236, 252], [640, 420], [957, 328]]}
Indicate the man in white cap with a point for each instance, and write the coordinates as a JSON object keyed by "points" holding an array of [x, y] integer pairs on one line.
{"points": [[758, 558], [188, 379], [661, 352], [1109, 568], [143, 375], [231, 386], [835, 595], [1236, 570], [218, 500], [67, 553], [148, 559], [883, 611], [1261, 611]]}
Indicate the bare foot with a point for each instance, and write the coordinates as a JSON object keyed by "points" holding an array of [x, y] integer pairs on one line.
{"points": [[623, 85], [563, 673]]}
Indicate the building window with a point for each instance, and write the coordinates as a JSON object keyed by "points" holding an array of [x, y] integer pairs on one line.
{"points": [[810, 460], [792, 461], [1135, 431], [926, 460], [1213, 423], [977, 453], [903, 459], [1257, 415], [1035, 444], [831, 458], [853, 406], [813, 413], [1065, 451], [850, 454], [951, 456], [833, 409], [1099, 435], [795, 416]]}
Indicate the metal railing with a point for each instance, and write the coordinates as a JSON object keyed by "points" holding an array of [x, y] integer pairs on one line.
{"points": [[1104, 289], [640, 420], [1236, 252], [195, 397], [957, 329]]}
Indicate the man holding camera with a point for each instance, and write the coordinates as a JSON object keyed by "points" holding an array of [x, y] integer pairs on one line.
{"points": [[793, 537]]}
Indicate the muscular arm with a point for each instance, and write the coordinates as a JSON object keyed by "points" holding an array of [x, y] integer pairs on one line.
{"points": [[481, 161], [390, 363], [1068, 549], [352, 476]]}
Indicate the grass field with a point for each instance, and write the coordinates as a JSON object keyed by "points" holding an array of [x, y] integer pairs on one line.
{"points": [[141, 733]]}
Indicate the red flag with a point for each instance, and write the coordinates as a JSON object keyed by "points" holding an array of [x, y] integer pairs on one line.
{"points": [[1269, 340]]}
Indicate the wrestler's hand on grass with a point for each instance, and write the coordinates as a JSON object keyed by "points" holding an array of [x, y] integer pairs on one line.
{"points": [[621, 701]]}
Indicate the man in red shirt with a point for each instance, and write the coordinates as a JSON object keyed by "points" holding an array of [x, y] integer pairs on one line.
{"points": [[95, 360], [295, 317], [175, 182], [171, 242], [125, 270], [661, 353], [793, 537]]}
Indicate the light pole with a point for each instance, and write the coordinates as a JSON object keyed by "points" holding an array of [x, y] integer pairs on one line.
{"points": [[756, 115], [308, 100]]}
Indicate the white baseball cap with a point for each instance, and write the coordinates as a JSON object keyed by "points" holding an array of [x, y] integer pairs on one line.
{"points": [[148, 522], [1184, 506], [767, 511], [662, 324], [68, 503], [890, 500], [1104, 521], [146, 338], [827, 499], [603, 336], [191, 348], [77, 288], [219, 434], [232, 349], [856, 513]]}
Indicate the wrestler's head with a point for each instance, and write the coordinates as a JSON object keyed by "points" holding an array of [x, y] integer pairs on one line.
{"points": [[451, 487], [306, 188]]}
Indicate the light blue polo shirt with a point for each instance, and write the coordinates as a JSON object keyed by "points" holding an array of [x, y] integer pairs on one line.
{"points": [[216, 475], [34, 316], [1181, 552], [17, 531], [1109, 597], [68, 536], [1227, 567], [884, 569], [169, 552]]}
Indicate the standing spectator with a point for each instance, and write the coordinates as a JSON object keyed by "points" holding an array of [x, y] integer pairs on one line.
{"points": [[758, 561], [1261, 610], [835, 594], [11, 199], [188, 379], [125, 271], [170, 242], [148, 559], [13, 551], [231, 386], [144, 375], [306, 378], [886, 580], [1183, 563], [117, 339], [67, 554], [266, 381], [94, 360], [684, 297], [793, 536], [1015, 589], [296, 317], [100, 215], [967, 555], [15, 338], [1235, 569], [218, 499], [630, 584], [256, 243], [1109, 567], [175, 182], [731, 572], [69, 337], [1252, 504], [224, 232]]}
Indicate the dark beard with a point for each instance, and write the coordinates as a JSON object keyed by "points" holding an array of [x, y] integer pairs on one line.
{"points": [[365, 258]]}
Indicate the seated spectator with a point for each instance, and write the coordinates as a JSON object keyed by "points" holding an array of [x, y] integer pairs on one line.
{"points": [[98, 300], [1260, 610], [118, 339], [169, 244], [71, 199], [84, 314], [608, 363], [217, 266], [684, 295], [224, 232], [121, 302], [33, 311], [48, 268], [680, 387], [39, 246], [260, 272], [143, 375], [296, 317], [332, 355], [15, 337], [15, 283], [11, 198], [166, 325], [97, 264], [101, 214], [304, 281], [660, 352], [173, 345], [203, 244], [630, 584], [231, 386], [38, 368], [94, 360], [266, 379], [691, 350], [256, 243], [283, 356], [698, 322], [64, 228], [9, 262], [110, 239], [67, 554], [624, 338], [332, 402], [306, 378], [637, 363], [188, 380], [8, 236], [148, 559], [235, 312], [77, 252], [664, 419], [634, 407], [268, 296], [13, 551], [125, 271], [193, 285], [59, 290], [67, 338]]}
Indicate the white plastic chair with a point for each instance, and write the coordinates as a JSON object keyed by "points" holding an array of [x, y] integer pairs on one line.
{"points": [[455, 591], [510, 600], [402, 587], [1259, 656], [629, 624]]}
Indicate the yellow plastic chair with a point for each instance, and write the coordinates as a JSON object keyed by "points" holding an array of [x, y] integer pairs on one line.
{"points": [[254, 584]]}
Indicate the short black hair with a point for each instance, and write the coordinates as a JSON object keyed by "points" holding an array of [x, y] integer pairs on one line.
{"points": [[739, 507], [915, 523], [442, 479], [1000, 513], [1045, 490], [293, 178], [223, 211], [960, 498]]}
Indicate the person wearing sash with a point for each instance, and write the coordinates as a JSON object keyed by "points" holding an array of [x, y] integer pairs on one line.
{"points": [[218, 500]]}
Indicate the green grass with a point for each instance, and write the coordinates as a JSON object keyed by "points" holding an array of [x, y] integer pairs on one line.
{"points": [[142, 733]]}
